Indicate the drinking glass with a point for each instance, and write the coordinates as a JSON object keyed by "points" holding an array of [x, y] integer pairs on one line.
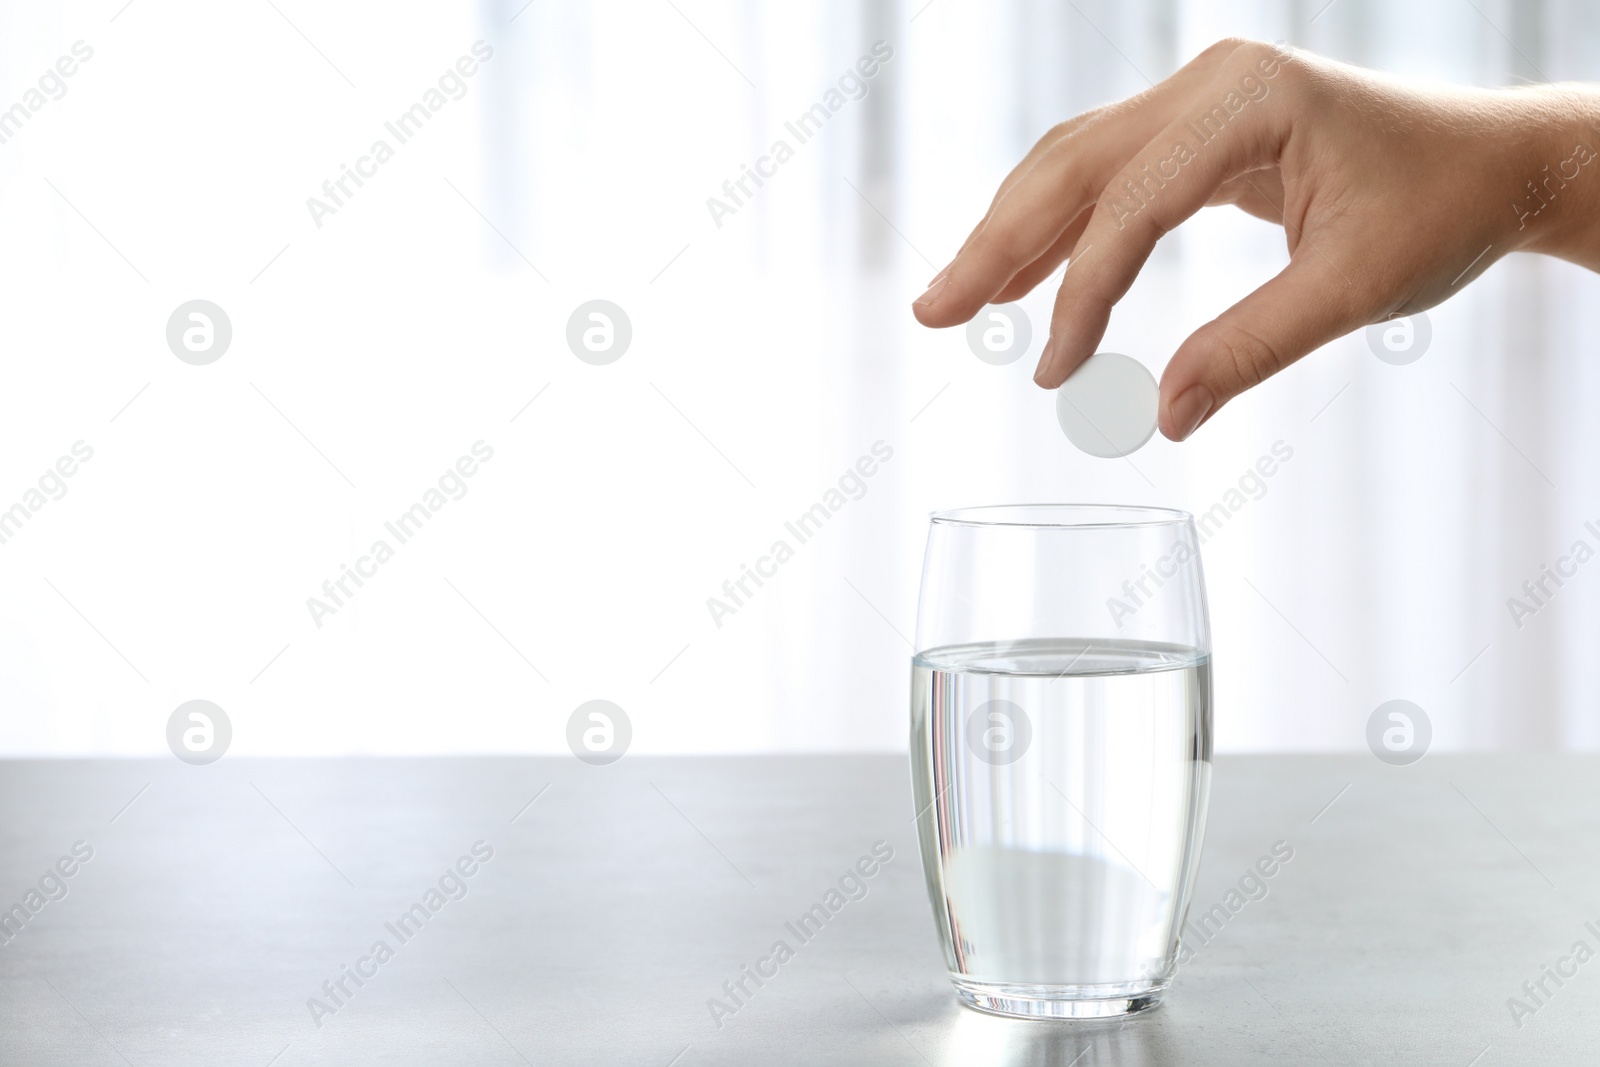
{"points": [[1061, 751]]}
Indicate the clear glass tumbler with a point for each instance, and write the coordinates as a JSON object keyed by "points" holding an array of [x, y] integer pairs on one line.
{"points": [[1061, 751]]}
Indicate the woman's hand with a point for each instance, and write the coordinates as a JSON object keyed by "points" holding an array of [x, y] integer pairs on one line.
{"points": [[1391, 198]]}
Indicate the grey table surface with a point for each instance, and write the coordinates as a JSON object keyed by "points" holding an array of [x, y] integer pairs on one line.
{"points": [[218, 901]]}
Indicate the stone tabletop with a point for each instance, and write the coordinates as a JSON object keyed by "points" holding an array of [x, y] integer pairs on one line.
{"points": [[542, 911]]}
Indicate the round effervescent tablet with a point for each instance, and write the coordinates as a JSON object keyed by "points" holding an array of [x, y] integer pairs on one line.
{"points": [[1108, 407]]}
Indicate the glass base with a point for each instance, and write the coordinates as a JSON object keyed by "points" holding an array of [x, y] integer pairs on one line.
{"points": [[1059, 1001]]}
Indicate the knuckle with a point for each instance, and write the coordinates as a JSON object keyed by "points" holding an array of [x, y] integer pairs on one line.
{"points": [[1055, 133], [1071, 132], [1226, 47], [1256, 67], [1241, 359], [1070, 178], [1248, 56], [998, 249], [1289, 72], [1065, 127], [1073, 127], [1084, 305]]}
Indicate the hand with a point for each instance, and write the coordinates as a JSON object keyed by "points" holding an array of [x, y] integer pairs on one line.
{"points": [[1391, 197]]}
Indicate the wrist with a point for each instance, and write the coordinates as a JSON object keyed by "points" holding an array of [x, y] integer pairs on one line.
{"points": [[1555, 208]]}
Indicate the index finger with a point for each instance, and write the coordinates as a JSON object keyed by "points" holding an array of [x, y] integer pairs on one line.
{"points": [[1218, 136], [1035, 206]]}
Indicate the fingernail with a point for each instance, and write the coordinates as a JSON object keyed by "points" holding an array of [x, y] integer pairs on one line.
{"points": [[933, 290], [1192, 405], [1044, 362], [941, 274]]}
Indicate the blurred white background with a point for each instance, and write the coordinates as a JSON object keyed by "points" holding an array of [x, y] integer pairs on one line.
{"points": [[768, 353]]}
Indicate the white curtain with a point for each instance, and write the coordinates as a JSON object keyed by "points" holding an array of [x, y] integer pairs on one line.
{"points": [[773, 348]]}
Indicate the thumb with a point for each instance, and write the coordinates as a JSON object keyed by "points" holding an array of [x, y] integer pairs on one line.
{"points": [[1299, 310]]}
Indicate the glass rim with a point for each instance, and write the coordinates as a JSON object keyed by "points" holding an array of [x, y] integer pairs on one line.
{"points": [[1061, 516]]}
